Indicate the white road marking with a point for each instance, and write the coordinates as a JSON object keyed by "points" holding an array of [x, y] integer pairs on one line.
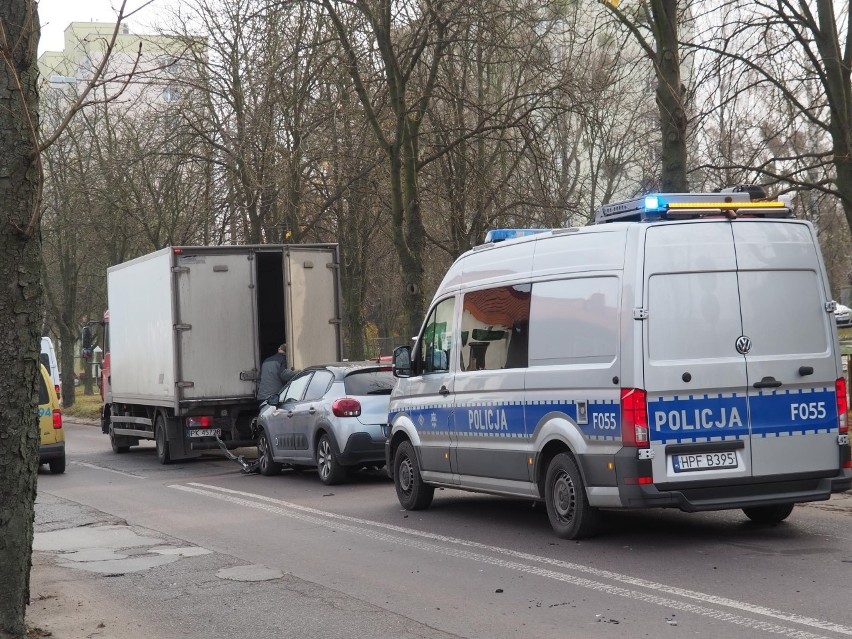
{"points": [[358, 526], [109, 470]]}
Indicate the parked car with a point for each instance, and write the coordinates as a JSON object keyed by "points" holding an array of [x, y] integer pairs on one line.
{"points": [[48, 358], [331, 417], [52, 449], [843, 315]]}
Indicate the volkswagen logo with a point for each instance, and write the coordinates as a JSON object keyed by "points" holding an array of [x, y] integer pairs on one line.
{"points": [[743, 344]]}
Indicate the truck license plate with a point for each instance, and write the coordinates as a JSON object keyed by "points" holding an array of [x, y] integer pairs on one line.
{"points": [[704, 461], [204, 432]]}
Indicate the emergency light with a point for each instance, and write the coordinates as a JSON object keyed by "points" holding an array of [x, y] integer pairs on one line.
{"points": [[750, 199], [498, 235]]}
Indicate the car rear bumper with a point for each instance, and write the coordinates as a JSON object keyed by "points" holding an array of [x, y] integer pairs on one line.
{"points": [[51, 451], [361, 448]]}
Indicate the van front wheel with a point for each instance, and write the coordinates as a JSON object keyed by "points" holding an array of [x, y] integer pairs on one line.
{"points": [[413, 493], [568, 507], [768, 514]]}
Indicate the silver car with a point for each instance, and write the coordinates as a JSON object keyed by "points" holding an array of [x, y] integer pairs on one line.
{"points": [[843, 315], [331, 417]]}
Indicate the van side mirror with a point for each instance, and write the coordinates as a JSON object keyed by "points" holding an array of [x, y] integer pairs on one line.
{"points": [[402, 361]]}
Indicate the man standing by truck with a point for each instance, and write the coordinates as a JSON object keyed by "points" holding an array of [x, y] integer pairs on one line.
{"points": [[274, 373]]}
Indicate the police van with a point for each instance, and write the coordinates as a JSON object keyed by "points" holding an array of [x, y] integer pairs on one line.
{"points": [[681, 353]]}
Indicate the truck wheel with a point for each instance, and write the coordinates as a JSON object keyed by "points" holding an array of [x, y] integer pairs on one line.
{"points": [[114, 442], [330, 470], [411, 490], [57, 466], [769, 514], [268, 467], [162, 443], [565, 497]]}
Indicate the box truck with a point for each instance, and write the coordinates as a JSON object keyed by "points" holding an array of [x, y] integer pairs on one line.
{"points": [[189, 327]]}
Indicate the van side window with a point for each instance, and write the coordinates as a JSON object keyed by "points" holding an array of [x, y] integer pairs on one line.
{"points": [[574, 321], [495, 328], [436, 344]]}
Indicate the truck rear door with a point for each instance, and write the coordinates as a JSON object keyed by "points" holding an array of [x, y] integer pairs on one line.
{"points": [[695, 378], [791, 365], [215, 327], [311, 277]]}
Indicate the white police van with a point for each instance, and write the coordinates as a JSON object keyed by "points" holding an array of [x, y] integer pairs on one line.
{"points": [[679, 353]]}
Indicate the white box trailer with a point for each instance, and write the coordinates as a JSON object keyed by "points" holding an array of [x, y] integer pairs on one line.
{"points": [[189, 328]]}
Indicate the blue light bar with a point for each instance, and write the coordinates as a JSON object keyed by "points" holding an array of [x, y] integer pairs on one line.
{"points": [[652, 203], [498, 235]]}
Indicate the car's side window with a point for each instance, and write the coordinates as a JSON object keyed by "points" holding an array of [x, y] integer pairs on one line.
{"points": [[436, 344], [296, 388], [319, 384], [495, 328]]}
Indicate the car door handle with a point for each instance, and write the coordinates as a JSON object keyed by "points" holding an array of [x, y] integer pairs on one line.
{"points": [[312, 410], [767, 382], [444, 391]]}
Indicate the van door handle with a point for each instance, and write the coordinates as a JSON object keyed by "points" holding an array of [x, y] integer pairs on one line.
{"points": [[289, 413], [767, 382], [806, 370], [444, 391], [312, 410]]}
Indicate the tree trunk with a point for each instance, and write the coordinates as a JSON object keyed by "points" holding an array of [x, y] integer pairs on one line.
{"points": [[21, 305], [670, 97]]}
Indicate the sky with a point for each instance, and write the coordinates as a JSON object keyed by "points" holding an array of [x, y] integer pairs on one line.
{"points": [[56, 15]]}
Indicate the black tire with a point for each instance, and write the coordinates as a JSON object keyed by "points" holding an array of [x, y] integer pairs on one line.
{"points": [[330, 470], [117, 442], [413, 493], [769, 514], [163, 455], [57, 466], [268, 467], [568, 507]]}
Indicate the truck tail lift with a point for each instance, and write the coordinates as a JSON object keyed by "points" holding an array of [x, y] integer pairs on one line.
{"points": [[737, 201]]}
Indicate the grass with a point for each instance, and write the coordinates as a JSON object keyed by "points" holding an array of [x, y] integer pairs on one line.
{"points": [[85, 406]]}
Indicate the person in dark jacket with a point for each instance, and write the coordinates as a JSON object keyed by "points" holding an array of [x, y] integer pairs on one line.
{"points": [[274, 373]]}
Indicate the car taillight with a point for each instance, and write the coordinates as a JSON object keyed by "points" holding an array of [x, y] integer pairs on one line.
{"points": [[842, 405], [57, 418], [200, 421], [634, 418], [346, 407]]}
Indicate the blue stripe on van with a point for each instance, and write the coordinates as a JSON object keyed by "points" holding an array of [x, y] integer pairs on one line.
{"points": [[718, 417]]}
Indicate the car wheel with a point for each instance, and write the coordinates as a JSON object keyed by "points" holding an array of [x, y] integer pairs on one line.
{"points": [[160, 437], [330, 470], [413, 493], [114, 442], [769, 514], [268, 467], [57, 466], [568, 507]]}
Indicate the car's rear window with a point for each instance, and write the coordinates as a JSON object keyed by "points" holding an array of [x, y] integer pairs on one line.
{"points": [[43, 395], [369, 383]]}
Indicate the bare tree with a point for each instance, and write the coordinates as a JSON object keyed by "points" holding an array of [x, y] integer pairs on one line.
{"points": [[655, 26]]}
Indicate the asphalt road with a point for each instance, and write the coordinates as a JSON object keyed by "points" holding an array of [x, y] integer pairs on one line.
{"points": [[347, 561]]}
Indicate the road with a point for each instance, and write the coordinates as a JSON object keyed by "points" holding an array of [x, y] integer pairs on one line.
{"points": [[345, 561]]}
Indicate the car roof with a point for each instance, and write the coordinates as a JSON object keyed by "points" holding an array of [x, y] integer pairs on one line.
{"points": [[342, 369]]}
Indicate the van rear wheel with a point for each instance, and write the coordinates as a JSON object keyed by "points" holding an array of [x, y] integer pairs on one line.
{"points": [[568, 507], [769, 514], [413, 493]]}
